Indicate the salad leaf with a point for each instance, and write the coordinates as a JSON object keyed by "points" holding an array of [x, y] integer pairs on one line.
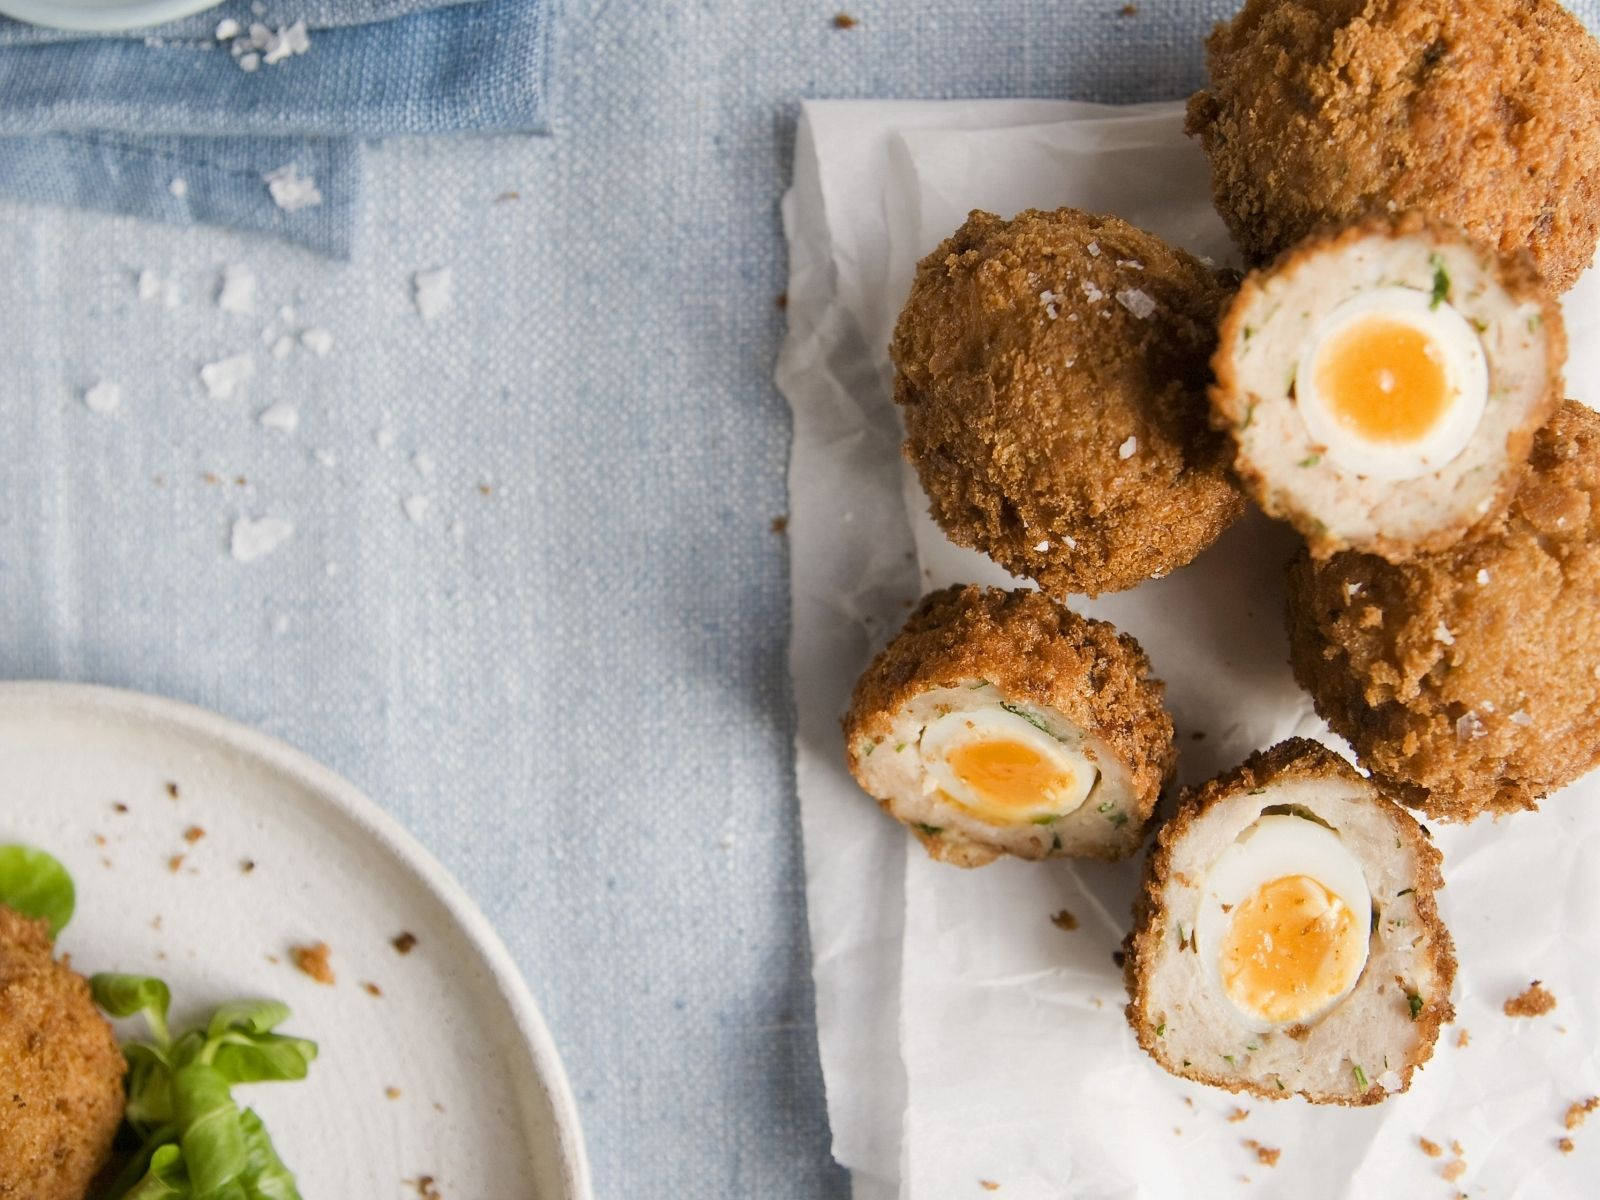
{"points": [[128, 995], [36, 885], [263, 1058], [265, 1178], [249, 1016], [165, 1179], [212, 1142]]}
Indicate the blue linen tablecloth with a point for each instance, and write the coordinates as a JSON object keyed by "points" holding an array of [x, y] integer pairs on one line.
{"points": [[577, 696]]}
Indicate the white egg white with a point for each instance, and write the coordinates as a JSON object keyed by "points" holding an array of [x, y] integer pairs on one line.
{"points": [[955, 730], [1275, 846], [1458, 348]]}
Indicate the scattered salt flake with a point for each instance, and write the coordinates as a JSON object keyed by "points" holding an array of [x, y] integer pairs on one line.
{"points": [[254, 538], [1048, 299], [103, 397], [249, 62], [1352, 590], [1441, 633], [317, 340], [1469, 726], [1094, 249], [227, 28], [1483, 577], [149, 286], [1091, 293], [285, 418], [290, 190], [416, 508], [283, 347], [1131, 263], [1521, 717], [227, 375], [1128, 448], [1138, 302], [1042, 547], [1072, 543], [325, 458], [431, 292], [280, 624], [179, 187], [384, 438], [287, 314], [237, 293], [424, 464]]}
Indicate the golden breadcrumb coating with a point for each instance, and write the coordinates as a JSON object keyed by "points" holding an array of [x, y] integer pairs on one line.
{"points": [[1466, 679], [1231, 403], [1033, 650], [1483, 114], [60, 1071], [1288, 761], [1052, 372]]}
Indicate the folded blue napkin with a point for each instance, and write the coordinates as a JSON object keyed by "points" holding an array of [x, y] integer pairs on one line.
{"points": [[176, 124]]}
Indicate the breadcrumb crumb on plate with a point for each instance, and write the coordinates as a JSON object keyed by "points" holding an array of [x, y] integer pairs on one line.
{"points": [[1535, 1000]]}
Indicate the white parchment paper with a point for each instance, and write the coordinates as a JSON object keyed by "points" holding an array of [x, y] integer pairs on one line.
{"points": [[966, 1039]]}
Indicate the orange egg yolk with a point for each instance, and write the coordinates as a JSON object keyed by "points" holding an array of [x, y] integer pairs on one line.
{"points": [[1291, 947], [1008, 775], [1384, 380]]}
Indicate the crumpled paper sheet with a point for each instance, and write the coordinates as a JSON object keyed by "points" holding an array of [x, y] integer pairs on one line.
{"points": [[966, 1039]]}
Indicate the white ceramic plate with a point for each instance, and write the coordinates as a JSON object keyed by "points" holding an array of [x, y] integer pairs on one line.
{"points": [[483, 1102], [102, 16]]}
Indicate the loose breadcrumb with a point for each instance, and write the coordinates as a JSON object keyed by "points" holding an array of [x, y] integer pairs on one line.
{"points": [[844, 21], [371, 988], [780, 525], [193, 834], [172, 789], [1453, 1171], [1463, 1039], [404, 943], [1064, 920], [392, 1092], [988, 1185], [1267, 1156], [1578, 1111], [313, 961], [175, 863], [1534, 1001], [1238, 1115], [1431, 1149]]}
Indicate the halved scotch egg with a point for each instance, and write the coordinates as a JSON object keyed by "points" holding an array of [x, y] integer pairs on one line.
{"points": [[1286, 940], [1000, 722], [1382, 385]]}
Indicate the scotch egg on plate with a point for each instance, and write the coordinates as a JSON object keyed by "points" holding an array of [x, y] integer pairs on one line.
{"points": [[1382, 385], [1000, 722], [1286, 940]]}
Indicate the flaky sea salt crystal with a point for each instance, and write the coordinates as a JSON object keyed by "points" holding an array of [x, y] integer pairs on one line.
{"points": [[237, 293], [1072, 543], [284, 418], [226, 376], [1091, 293], [149, 286], [1138, 302], [1048, 299], [283, 347], [431, 291], [179, 186], [249, 62], [416, 508], [1094, 249], [1521, 717], [103, 397], [227, 28], [325, 458], [384, 438], [1128, 448], [290, 190], [1470, 726], [287, 313], [317, 340], [424, 464], [1133, 264], [1441, 633], [1483, 577], [254, 538], [1043, 547]]}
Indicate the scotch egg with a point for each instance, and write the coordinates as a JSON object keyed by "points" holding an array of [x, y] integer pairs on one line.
{"points": [[1000, 722], [1286, 940], [1382, 385]]}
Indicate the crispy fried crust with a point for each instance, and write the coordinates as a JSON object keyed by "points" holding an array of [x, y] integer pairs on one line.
{"points": [[1464, 697], [60, 1071], [1294, 759], [1486, 115], [1022, 377], [1033, 650], [1230, 401]]}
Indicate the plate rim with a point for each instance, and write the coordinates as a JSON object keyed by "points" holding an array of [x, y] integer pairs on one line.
{"points": [[393, 838], [102, 18]]}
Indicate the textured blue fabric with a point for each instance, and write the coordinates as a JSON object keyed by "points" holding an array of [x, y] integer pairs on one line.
{"points": [[583, 706], [317, 14], [109, 122]]}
